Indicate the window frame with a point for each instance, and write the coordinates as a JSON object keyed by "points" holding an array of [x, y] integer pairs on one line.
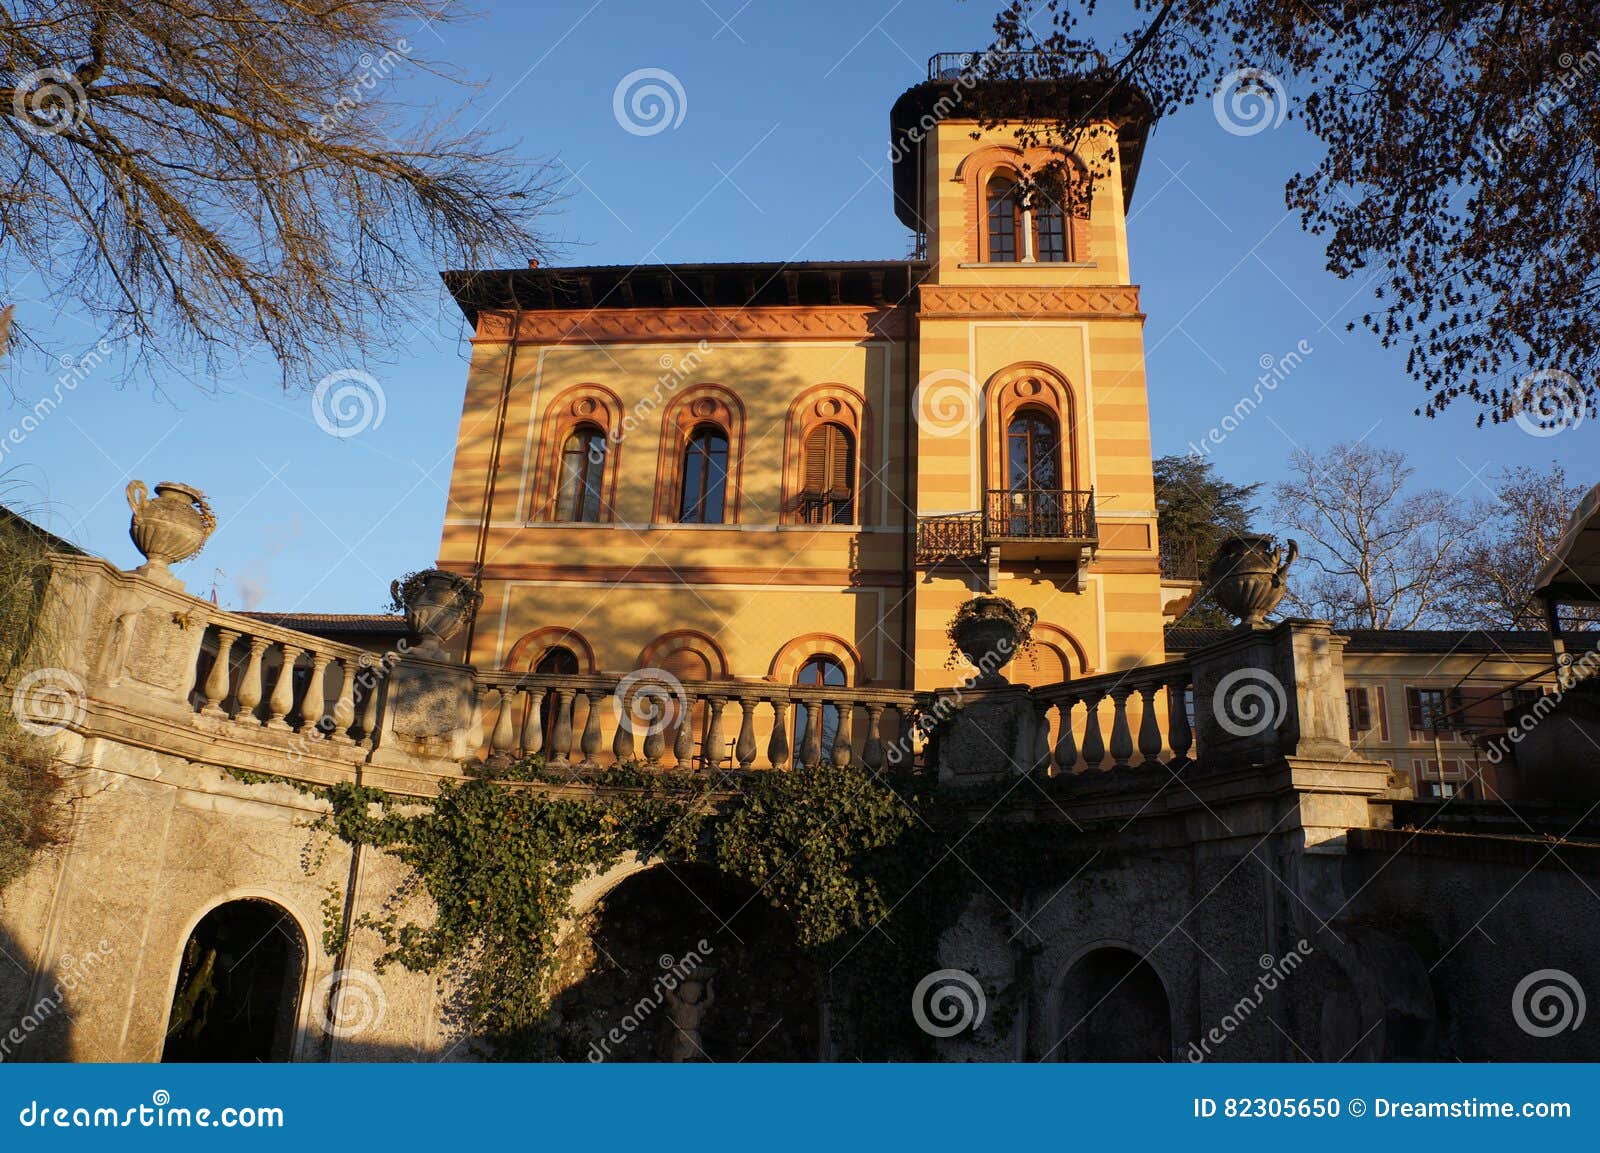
{"points": [[589, 469], [704, 431]]}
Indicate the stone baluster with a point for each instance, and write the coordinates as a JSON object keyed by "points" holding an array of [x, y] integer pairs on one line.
{"points": [[1094, 745], [872, 750], [1066, 750], [281, 703], [778, 743], [532, 722], [220, 676], [369, 707], [1041, 744], [843, 749], [475, 734], [622, 739], [249, 694], [590, 742], [561, 729], [314, 716], [655, 733], [344, 705], [683, 743], [1179, 735], [711, 752], [810, 750], [1121, 735], [745, 747], [900, 752], [503, 737], [1149, 726]]}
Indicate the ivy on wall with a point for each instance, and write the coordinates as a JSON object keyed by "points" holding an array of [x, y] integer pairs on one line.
{"points": [[869, 869]]}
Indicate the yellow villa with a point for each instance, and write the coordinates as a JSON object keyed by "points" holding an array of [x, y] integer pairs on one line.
{"points": [[798, 471]]}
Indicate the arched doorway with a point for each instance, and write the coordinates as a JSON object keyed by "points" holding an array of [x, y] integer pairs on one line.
{"points": [[557, 660], [1113, 1007], [633, 958], [238, 991]]}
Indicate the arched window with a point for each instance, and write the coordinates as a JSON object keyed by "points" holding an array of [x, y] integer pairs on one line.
{"points": [[829, 492], [1004, 221], [819, 670], [705, 476], [583, 466], [238, 992]]}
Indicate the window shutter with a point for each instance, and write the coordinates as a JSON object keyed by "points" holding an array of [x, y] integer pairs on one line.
{"points": [[1455, 718], [840, 472], [1360, 709], [816, 479], [1414, 708]]}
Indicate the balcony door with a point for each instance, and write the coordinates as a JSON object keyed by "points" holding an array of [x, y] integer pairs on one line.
{"points": [[1033, 496]]}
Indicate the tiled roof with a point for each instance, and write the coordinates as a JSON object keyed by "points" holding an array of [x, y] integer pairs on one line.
{"points": [[1185, 640], [329, 623]]}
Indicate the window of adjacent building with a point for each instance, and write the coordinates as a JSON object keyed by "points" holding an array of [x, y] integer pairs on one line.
{"points": [[705, 476], [818, 671], [1358, 707], [1005, 221], [1434, 710], [828, 496], [583, 465]]}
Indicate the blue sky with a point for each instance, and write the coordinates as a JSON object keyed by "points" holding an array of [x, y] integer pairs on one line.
{"points": [[780, 155]]}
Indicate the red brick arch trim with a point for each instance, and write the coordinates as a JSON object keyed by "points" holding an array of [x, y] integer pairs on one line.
{"points": [[525, 654], [787, 661], [581, 404], [981, 166], [657, 651], [826, 404], [1030, 384], [695, 406]]}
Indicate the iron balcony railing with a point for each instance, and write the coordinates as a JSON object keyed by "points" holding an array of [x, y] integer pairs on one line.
{"points": [[1024, 514], [990, 64]]}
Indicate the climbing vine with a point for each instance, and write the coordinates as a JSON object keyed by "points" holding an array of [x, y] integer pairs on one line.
{"points": [[861, 864]]}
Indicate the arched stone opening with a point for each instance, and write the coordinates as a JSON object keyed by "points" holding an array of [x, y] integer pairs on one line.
{"points": [[237, 996], [681, 962], [1112, 1006]]}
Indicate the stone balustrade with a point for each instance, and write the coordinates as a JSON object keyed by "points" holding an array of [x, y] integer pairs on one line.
{"points": [[586, 721], [261, 676], [1149, 719]]}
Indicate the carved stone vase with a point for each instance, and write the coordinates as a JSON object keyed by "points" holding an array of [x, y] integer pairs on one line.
{"points": [[1247, 576], [988, 630], [437, 605], [170, 527]]}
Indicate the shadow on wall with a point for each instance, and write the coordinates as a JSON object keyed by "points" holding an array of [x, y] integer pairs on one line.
{"points": [[36, 1011]]}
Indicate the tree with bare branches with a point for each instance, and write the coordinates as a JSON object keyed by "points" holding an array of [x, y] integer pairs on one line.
{"points": [[1458, 174], [1376, 553], [204, 178], [1516, 534]]}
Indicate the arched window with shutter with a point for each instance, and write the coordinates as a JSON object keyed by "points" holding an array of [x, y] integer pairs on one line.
{"points": [[705, 476], [829, 490]]}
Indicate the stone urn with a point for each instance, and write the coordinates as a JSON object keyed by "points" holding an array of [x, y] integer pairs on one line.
{"points": [[437, 604], [170, 527], [1247, 576], [988, 630]]}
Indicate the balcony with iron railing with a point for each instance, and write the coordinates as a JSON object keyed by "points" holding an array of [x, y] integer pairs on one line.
{"points": [[1037, 523]]}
